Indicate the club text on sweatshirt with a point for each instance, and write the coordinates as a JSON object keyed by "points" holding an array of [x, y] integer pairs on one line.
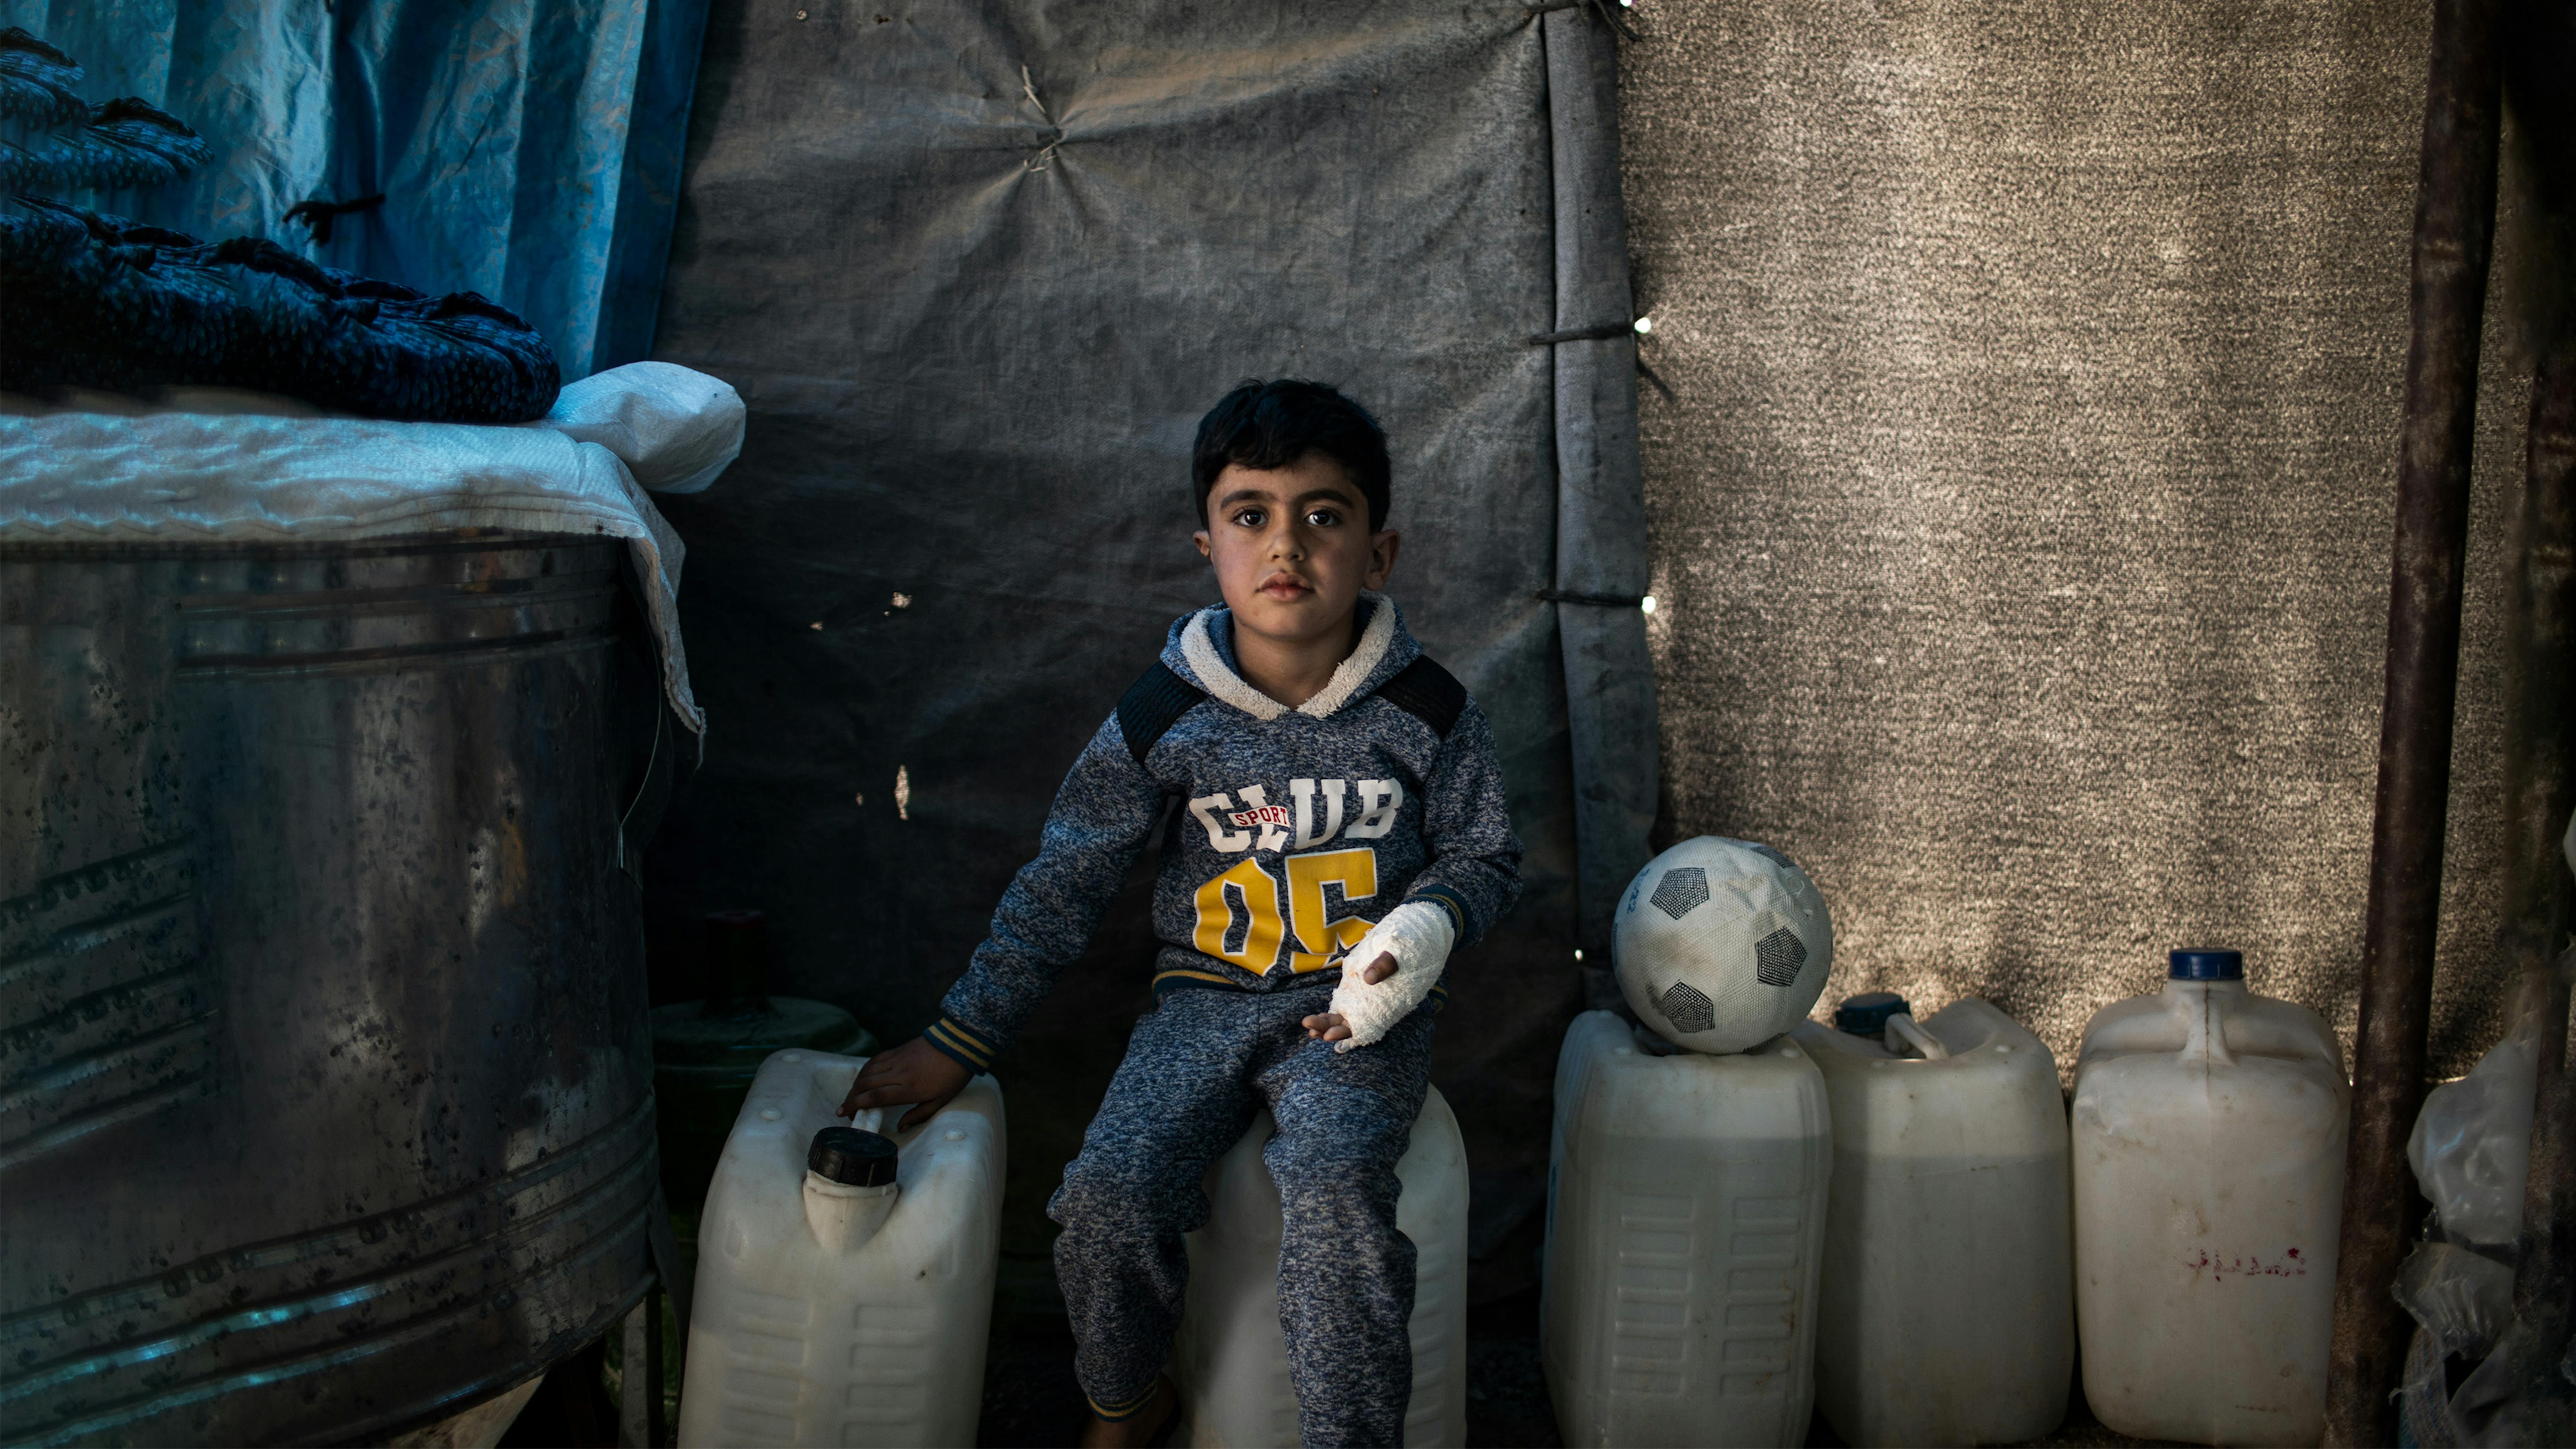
{"points": [[1287, 831]]}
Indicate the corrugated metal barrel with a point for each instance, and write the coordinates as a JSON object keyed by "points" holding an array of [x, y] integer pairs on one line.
{"points": [[324, 1061]]}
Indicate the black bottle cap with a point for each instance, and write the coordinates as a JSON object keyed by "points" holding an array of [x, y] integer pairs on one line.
{"points": [[1867, 1013], [851, 1157]]}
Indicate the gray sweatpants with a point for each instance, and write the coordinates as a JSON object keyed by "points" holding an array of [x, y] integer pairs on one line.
{"points": [[1197, 1070]]}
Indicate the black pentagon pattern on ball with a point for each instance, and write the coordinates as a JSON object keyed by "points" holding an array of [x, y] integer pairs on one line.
{"points": [[1683, 888], [1687, 1009], [1777, 957]]}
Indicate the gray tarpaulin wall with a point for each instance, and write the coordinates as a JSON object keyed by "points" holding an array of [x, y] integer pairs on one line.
{"points": [[977, 269]]}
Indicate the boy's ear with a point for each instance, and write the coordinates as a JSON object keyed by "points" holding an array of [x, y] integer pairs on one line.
{"points": [[1207, 550], [1382, 551]]}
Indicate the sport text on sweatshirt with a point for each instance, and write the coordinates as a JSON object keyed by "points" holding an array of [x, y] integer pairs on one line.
{"points": [[1293, 830]]}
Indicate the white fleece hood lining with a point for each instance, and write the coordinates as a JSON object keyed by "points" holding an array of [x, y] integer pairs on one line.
{"points": [[1219, 679]]}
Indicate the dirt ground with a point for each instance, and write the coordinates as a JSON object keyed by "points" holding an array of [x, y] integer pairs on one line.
{"points": [[1030, 1398]]}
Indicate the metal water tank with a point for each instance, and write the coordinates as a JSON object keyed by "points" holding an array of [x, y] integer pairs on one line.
{"points": [[325, 1101]]}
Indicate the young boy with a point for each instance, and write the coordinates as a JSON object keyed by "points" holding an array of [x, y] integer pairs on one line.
{"points": [[1339, 826]]}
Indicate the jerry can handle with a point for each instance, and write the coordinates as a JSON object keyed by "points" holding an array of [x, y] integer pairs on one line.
{"points": [[2208, 1039], [1900, 1024]]}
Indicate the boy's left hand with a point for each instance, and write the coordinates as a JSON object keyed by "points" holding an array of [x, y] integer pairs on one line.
{"points": [[1328, 1025], [915, 1072]]}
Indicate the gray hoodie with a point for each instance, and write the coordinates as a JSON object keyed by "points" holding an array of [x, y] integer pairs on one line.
{"points": [[1294, 829]]}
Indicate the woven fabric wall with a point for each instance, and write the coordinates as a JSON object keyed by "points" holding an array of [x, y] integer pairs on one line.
{"points": [[2021, 507]]}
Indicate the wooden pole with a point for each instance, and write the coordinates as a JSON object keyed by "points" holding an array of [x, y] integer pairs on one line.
{"points": [[2540, 731], [2454, 231]]}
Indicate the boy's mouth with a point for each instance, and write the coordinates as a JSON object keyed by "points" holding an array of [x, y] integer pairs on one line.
{"points": [[1286, 587]]}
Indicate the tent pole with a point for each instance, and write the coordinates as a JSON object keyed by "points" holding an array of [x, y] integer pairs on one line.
{"points": [[2454, 230], [2537, 44], [2540, 777]]}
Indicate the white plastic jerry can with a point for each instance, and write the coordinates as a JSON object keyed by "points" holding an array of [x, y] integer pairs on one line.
{"points": [[1947, 1304], [1686, 1205], [1230, 1358], [2209, 1140], [845, 1279]]}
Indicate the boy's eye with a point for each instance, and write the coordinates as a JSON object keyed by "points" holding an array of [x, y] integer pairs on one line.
{"points": [[1323, 517], [1250, 518]]}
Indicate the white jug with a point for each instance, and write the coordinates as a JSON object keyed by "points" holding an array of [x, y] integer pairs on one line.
{"points": [[1947, 1308], [844, 1312], [1230, 1359], [1686, 1205], [2209, 1141]]}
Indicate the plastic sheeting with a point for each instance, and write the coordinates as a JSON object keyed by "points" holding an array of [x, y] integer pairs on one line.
{"points": [[977, 270], [2471, 1144], [526, 149]]}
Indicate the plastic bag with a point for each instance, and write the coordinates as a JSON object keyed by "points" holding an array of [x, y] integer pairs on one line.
{"points": [[2471, 1147], [2471, 1151], [2463, 1299]]}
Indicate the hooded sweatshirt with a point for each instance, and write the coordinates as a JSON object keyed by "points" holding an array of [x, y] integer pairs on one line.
{"points": [[1286, 832]]}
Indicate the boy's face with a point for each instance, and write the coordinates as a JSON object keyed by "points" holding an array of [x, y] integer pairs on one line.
{"points": [[1292, 548]]}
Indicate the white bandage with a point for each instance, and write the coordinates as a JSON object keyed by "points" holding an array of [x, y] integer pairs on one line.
{"points": [[1418, 935]]}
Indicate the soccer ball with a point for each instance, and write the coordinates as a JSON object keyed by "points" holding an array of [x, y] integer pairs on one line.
{"points": [[1722, 944]]}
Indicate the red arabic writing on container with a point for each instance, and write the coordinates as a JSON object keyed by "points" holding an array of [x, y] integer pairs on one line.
{"points": [[2291, 1265]]}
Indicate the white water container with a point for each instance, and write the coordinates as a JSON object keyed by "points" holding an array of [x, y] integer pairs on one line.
{"points": [[2209, 1140], [844, 1312], [1230, 1359], [1946, 1313], [1686, 1207]]}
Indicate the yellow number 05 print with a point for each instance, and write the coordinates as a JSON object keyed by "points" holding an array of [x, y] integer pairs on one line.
{"points": [[1249, 888]]}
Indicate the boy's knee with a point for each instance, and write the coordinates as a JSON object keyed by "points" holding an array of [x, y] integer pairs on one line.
{"points": [[1089, 1199], [1106, 1199], [1333, 1167]]}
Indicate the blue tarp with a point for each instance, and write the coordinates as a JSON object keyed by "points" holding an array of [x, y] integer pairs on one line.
{"points": [[528, 150]]}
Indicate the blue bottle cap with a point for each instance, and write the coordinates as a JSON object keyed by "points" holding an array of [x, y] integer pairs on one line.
{"points": [[1867, 1013], [2205, 965]]}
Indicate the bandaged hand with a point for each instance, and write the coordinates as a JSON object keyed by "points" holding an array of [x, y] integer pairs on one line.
{"points": [[1418, 936]]}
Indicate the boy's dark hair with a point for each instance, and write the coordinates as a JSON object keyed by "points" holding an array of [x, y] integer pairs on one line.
{"points": [[1273, 424]]}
